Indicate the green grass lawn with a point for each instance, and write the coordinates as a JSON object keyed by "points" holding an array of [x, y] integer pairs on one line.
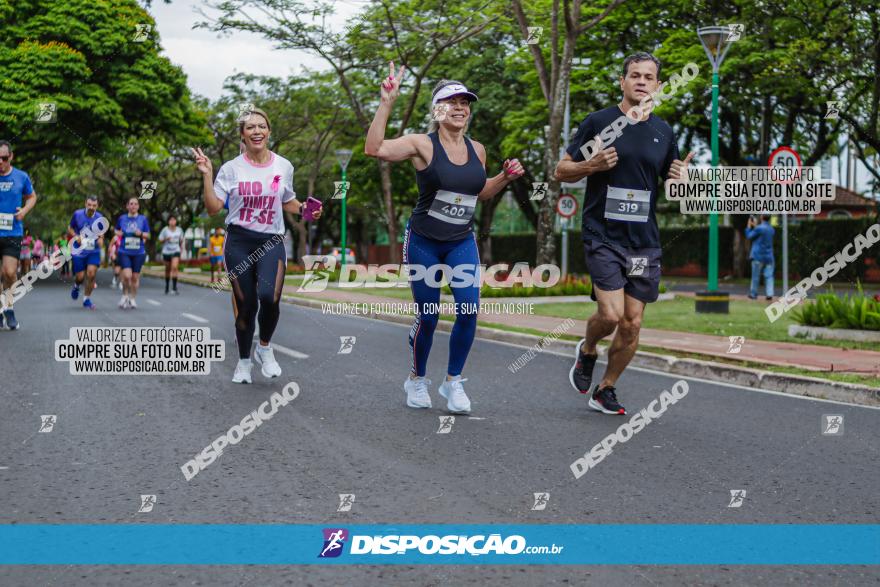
{"points": [[745, 319]]}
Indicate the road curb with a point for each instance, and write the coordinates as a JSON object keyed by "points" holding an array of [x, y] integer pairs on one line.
{"points": [[744, 376]]}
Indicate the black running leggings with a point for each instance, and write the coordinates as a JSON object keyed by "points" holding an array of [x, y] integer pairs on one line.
{"points": [[255, 263]]}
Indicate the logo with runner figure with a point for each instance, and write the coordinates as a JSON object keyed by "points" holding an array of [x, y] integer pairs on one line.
{"points": [[446, 423], [47, 423], [334, 540], [734, 32], [141, 31], [147, 503], [539, 190], [833, 110], [832, 424], [736, 498], [541, 500], [346, 344], [736, 344], [341, 188], [638, 265], [534, 35], [47, 112], [148, 189], [346, 500], [318, 271]]}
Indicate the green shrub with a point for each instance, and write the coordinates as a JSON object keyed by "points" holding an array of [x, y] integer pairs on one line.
{"points": [[858, 312]]}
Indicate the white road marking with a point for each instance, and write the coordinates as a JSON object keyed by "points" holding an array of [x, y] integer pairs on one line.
{"points": [[154, 302], [194, 318], [286, 351]]}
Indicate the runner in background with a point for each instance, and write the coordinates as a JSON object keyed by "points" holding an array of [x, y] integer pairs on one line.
{"points": [[27, 242], [17, 198], [86, 252], [113, 261], [134, 230], [171, 238], [38, 252], [62, 246], [215, 244]]}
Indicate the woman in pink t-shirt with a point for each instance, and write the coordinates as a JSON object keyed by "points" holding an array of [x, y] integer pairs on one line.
{"points": [[257, 188]]}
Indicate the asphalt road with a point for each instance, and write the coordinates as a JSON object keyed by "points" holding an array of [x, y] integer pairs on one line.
{"points": [[117, 437]]}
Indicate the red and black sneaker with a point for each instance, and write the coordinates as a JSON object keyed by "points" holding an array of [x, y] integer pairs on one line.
{"points": [[581, 375], [605, 400]]}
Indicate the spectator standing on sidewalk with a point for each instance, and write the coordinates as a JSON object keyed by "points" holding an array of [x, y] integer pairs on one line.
{"points": [[761, 255]]}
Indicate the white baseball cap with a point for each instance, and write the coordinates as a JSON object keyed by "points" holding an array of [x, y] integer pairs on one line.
{"points": [[452, 89]]}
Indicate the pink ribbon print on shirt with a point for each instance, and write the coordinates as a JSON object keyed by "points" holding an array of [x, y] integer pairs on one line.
{"points": [[257, 208]]}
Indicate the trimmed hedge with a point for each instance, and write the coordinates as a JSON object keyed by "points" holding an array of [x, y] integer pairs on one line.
{"points": [[810, 244]]}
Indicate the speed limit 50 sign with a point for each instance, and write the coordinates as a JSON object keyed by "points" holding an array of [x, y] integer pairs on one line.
{"points": [[567, 206]]}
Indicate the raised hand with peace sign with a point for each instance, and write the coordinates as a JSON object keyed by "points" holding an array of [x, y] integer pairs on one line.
{"points": [[390, 87]]}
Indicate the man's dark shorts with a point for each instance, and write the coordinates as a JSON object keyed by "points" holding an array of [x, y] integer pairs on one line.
{"points": [[612, 267], [10, 246]]}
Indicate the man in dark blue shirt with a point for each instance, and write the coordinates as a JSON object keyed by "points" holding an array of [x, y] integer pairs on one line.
{"points": [[625, 151], [761, 255]]}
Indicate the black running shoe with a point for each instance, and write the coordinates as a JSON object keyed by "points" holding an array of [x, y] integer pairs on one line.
{"points": [[581, 375], [605, 400]]}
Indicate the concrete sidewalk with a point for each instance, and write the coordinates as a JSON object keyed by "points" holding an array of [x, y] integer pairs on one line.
{"points": [[786, 354]]}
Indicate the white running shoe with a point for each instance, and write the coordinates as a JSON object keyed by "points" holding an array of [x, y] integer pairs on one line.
{"points": [[243, 371], [417, 392], [457, 401], [266, 357], [123, 302], [132, 304]]}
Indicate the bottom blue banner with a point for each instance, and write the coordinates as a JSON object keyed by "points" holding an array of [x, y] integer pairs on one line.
{"points": [[630, 544]]}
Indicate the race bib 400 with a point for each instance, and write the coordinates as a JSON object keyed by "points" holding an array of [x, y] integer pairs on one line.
{"points": [[453, 208]]}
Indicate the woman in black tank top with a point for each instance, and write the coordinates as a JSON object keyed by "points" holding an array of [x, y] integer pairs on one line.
{"points": [[451, 176]]}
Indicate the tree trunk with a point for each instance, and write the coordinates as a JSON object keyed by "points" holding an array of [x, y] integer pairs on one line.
{"points": [[390, 215], [546, 245]]}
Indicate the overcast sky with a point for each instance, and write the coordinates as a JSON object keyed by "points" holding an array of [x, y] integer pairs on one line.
{"points": [[208, 59]]}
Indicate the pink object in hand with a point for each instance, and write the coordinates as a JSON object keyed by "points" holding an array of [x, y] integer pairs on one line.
{"points": [[311, 206]]}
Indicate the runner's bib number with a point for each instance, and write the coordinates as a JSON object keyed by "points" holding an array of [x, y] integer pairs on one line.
{"points": [[453, 208], [132, 242], [627, 205], [6, 221], [88, 244]]}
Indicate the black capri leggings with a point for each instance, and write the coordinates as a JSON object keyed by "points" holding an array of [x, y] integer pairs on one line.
{"points": [[255, 263]]}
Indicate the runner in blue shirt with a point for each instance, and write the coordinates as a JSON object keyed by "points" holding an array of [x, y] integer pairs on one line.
{"points": [[17, 198], [134, 229], [86, 250]]}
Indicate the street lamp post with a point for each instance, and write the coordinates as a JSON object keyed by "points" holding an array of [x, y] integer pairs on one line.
{"points": [[343, 156], [715, 42]]}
